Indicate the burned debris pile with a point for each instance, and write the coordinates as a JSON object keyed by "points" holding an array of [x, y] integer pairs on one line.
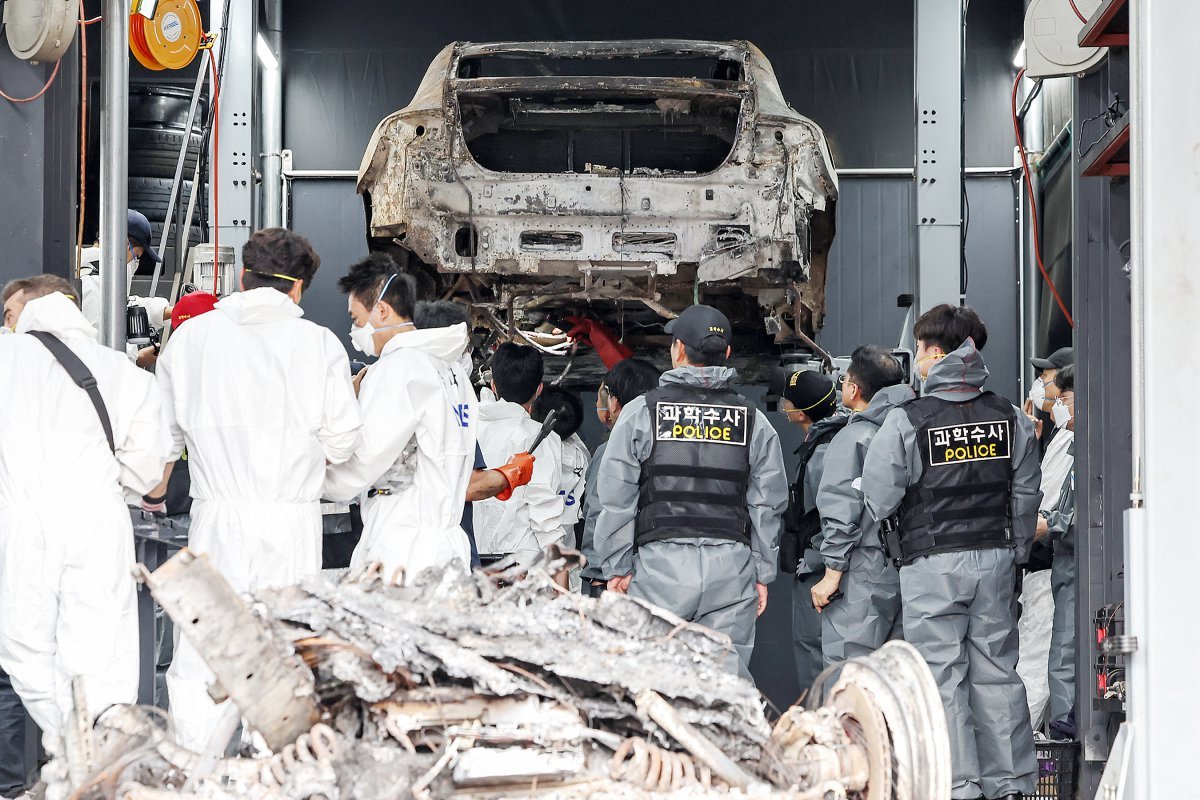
{"points": [[494, 685]]}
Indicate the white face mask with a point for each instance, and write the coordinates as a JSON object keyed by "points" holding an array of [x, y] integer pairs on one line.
{"points": [[5, 329], [363, 336], [1060, 413], [1037, 393]]}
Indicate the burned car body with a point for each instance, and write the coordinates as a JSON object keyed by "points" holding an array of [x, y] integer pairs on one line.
{"points": [[630, 178]]}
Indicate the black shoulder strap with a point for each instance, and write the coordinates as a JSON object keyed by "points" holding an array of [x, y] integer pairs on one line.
{"points": [[824, 436], [82, 376]]}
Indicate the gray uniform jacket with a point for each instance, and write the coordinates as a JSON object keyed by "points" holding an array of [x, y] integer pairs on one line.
{"points": [[591, 513], [620, 469], [893, 461], [1062, 516], [845, 522]]}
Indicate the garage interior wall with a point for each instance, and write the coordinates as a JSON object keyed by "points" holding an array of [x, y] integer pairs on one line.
{"points": [[847, 65], [38, 166]]}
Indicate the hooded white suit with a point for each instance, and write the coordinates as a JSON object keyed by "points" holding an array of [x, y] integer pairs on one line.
{"points": [[67, 597], [530, 520], [262, 400], [418, 446]]}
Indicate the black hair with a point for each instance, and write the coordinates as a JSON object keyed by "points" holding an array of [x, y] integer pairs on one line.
{"points": [[872, 368], [438, 314], [568, 406], [517, 372], [1064, 379], [630, 379], [368, 277], [272, 252], [949, 327], [711, 353]]}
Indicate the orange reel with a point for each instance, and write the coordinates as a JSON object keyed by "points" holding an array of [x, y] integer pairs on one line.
{"points": [[168, 40]]}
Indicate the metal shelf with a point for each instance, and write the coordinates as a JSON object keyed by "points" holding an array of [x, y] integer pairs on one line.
{"points": [[1108, 27], [1110, 157]]}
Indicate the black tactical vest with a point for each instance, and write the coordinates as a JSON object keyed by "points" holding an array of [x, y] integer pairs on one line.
{"points": [[963, 500], [694, 482], [801, 527]]}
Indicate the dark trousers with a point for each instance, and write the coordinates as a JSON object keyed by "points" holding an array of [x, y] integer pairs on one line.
{"points": [[12, 740]]}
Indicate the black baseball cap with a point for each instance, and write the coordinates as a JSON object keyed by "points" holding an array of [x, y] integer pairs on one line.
{"points": [[138, 230], [811, 392], [1062, 357], [698, 323]]}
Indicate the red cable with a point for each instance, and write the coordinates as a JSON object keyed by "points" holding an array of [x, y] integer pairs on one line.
{"points": [[216, 182], [49, 82], [1075, 8], [91, 21], [1033, 212]]}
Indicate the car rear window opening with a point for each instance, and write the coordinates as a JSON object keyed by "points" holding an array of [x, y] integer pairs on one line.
{"points": [[599, 132], [657, 65]]}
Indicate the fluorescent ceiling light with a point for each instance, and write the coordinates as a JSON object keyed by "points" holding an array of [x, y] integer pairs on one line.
{"points": [[268, 59], [1019, 57]]}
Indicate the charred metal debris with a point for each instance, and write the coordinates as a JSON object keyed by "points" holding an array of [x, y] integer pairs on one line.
{"points": [[496, 685]]}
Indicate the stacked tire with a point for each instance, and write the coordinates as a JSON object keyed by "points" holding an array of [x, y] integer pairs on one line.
{"points": [[157, 129]]}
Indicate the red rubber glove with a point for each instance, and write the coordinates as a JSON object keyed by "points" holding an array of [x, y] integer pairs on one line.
{"points": [[602, 340], [518, 472]]}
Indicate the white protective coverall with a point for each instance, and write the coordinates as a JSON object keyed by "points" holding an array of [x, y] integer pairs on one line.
{"points": [[68, 602], [262, 399], [89, 279], [575, 461], [1057, 462], [530, 520], [418, 443]]}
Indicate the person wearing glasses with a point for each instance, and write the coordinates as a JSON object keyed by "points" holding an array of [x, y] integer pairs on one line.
{"points": [[627, 380], [859, 595], [809, 400]]}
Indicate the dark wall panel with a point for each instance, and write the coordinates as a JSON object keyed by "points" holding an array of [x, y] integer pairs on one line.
{"points": [[994, 32], [993, 275], [871, 263], [38, 166], [22, 128], [330, 214], [848, 64]]}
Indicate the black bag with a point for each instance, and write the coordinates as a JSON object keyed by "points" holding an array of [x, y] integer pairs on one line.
{"points": [[179, 489], [800, 528], [83, 378]]}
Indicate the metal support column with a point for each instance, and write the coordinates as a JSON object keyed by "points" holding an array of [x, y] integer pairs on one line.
{"points": [[114, 173], [272, 120], [1033, 136], [233, 166], [1102, 432], [939, 155], [1162, 545]]}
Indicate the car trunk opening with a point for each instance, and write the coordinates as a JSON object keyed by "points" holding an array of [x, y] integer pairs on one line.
{"points": [[600, 131]]}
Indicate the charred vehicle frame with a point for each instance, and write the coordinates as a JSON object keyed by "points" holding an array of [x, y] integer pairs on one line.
{"points": [[625, 179]]}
